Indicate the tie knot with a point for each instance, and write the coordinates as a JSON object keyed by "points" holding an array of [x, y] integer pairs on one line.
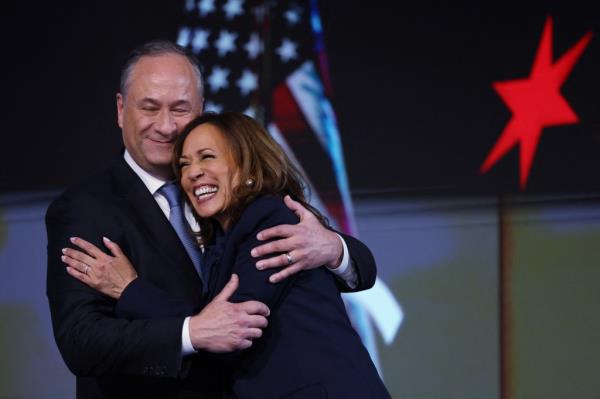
{"points": [[172, 194]]}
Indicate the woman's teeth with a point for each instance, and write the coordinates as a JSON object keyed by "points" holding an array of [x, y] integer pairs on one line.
{"points": [[205, 190]]}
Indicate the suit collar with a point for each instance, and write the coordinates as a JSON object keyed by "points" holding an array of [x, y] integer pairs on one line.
{"points": [[152, 220]]}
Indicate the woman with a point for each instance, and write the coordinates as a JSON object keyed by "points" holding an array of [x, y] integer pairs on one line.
{"points": [[235, 176]]}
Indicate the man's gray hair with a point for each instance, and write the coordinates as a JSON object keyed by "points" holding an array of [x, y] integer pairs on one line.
{"points": [[153, 49]]}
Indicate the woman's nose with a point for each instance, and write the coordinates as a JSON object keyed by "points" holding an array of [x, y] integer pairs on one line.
{"points": [[195, 171]]}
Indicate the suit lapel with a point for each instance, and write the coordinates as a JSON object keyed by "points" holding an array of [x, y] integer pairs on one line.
{"points": [[152, 220]]}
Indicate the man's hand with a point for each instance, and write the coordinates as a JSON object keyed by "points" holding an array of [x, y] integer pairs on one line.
{"points": [[223, 326], [305, 245]]}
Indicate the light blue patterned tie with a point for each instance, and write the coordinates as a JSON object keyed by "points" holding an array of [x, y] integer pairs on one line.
{"points": [[172, 193]]}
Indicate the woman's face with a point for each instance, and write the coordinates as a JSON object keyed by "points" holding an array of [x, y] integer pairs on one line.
{"points": [[208, 173]]}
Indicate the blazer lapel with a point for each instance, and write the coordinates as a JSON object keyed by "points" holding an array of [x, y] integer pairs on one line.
{"points": [[152, 220]]}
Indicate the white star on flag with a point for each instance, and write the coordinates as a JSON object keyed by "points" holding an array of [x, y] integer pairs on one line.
{"points": [[254, 46], [205, 7], [287, 50], [292, 15], [218, 78], [247, 82], [189, 5], [233, 8], [213, 107], [200, 40], [225, 42], [183, 39]]}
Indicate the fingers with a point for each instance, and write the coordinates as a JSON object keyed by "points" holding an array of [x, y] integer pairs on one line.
{"points": [[273, 247], [245, 344], [281, 231], [253, 333], [113, 247], [87, 246], [259, 322], [254, 308], [77, 274], [82, 268], [285, 273], [229, 289], [76, 256], [294, 206], [278, 261]]}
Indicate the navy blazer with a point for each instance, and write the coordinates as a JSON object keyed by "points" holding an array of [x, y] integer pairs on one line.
{"points": [[309, 349]]}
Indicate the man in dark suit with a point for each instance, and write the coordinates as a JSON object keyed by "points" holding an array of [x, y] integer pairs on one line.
{"points": [[161, 90]]}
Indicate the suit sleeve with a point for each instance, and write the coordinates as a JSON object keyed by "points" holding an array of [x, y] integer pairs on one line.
{"points": [[91, 339], [364, 263], [141, 299]]}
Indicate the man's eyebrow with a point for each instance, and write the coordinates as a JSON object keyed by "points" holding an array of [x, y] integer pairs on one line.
{"points": [[149, 100], [179, 102]]}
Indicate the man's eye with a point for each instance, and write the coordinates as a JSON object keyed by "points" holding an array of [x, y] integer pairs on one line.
{"points": [[180, 111]]}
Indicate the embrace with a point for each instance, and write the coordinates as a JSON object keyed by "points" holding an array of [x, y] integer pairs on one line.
{"points": [[193, 266]]}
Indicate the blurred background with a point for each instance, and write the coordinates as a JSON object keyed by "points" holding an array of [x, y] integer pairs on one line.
{"points": [[488, 276]]}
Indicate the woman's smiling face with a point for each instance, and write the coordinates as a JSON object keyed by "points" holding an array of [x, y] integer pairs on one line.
{"points": [[208, 173]]}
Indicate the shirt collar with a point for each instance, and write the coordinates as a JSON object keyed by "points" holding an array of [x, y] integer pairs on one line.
{"points": [[151, 182]]}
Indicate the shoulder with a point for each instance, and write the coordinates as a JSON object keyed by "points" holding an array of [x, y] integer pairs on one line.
{"points": [[264, 212], [94, 192]]}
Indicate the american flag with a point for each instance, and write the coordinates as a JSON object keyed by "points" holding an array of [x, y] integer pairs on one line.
{"points": [[268, 60]]}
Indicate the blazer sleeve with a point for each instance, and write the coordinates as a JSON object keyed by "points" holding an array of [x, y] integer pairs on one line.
{"points": [[91, 339], [254, 284], [364, 262]]}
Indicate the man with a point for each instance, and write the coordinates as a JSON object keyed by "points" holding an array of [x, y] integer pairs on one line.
{"points": [[161, 90]]}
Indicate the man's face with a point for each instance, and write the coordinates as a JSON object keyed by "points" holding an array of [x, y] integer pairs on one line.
{"points": [[161, 98]]}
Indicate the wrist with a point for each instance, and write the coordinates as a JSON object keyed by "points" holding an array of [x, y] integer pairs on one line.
{"points": [[338, 254], [194, 329]]}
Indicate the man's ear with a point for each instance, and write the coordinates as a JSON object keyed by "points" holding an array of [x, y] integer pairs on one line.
{"points": [[120, 105]]}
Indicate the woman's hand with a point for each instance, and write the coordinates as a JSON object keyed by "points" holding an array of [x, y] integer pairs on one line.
{"points": [[107, 274]]}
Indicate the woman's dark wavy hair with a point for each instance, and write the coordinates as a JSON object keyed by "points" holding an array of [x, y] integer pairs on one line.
{"points": [[257, 156]]}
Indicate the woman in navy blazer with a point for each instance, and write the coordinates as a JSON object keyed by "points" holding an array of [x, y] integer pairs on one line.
{"points": [[235, 177]]}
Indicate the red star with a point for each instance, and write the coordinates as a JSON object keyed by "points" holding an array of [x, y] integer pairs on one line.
{"points": [[535, 103]]}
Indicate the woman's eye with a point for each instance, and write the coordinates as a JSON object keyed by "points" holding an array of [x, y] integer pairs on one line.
{"points": [[182, 165], [208, 156]]}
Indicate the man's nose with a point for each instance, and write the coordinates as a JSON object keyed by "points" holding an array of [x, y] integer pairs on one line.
{"points": [[165, 123]]}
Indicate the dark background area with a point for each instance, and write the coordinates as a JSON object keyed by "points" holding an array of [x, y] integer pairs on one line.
{"points": [[412, 91]]}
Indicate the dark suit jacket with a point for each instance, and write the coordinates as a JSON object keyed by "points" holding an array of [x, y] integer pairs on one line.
{"points": [[116, 356]]}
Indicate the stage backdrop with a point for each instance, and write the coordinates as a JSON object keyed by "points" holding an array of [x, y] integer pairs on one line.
{"points": [[460, 143]]}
